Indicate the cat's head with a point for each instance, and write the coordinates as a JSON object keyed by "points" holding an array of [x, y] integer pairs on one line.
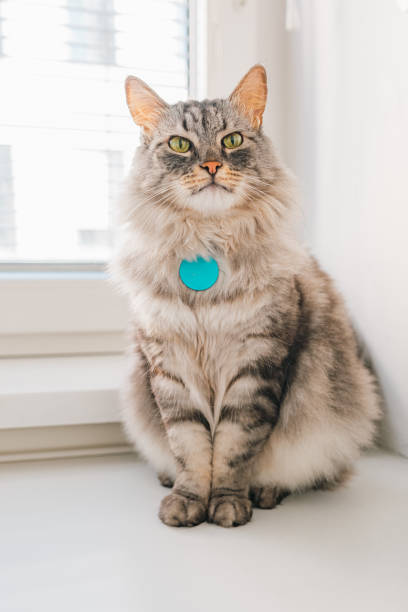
{"points": [[207, 156]]}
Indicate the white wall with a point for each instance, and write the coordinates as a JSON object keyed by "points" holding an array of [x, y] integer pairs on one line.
{"points": [[242, 33], [348, 142]]}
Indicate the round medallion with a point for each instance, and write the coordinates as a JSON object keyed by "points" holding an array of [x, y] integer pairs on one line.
{"points": [[199, 274]]}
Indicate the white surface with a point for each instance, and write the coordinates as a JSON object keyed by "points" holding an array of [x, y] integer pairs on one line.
{"points": [[69, 303], [49, 391], [348, 131], [83, 535], [81, 343]]}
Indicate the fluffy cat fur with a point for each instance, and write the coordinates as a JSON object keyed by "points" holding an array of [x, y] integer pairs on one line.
{"points": [[252, 389]]}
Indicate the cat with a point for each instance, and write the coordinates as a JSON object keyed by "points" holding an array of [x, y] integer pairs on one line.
{"points": [[251, 389]]}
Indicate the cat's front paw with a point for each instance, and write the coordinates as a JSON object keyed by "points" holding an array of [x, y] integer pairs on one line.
{"points": [[181, 511], [229, 510]]}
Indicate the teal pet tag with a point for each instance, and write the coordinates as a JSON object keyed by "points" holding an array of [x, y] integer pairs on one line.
{"points": [[200, 274]]}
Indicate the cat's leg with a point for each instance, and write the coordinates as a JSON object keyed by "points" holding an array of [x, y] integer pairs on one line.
{"points": [[190, 441], [270, 495], [142, 419], [304, 452], [185, 430], [189, 437], [246, 422]]}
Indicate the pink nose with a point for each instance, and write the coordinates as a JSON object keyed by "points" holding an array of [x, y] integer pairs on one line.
{"points": [[211, 166]]}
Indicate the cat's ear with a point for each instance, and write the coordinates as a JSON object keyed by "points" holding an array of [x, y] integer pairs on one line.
{"points": [[145, 106], [249, 96]]}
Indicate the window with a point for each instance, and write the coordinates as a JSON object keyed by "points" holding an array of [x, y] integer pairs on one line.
{"points": [[66, 141], [66, 137]]}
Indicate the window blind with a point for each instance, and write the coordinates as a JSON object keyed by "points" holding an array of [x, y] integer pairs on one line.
{"points": [[66, 138]]}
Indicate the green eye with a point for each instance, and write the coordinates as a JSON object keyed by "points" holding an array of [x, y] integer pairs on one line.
{"points": [[179, 144], [232, 141]]}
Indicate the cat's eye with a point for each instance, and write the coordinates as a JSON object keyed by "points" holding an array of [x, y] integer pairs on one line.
{"points": [[232, 141], [179, 144]]}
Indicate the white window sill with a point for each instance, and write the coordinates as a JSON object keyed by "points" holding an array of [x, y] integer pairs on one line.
{"points": [[84, 535], [55, 391]]}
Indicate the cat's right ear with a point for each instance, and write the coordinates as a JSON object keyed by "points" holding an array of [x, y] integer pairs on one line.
{"points": [[145, 106]]}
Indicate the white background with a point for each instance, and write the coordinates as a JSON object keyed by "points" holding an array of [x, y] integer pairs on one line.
{"points": [[348, 142]]}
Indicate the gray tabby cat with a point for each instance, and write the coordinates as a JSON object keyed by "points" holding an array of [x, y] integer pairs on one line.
{"points": [[253, 388]]}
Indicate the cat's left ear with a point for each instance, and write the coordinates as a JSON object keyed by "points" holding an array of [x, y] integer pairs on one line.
{"points": [[145, 106], [249, 96]]}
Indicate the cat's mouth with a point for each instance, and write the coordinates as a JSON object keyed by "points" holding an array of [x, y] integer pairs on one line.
{"points": [[212, 197], [213, 186]]}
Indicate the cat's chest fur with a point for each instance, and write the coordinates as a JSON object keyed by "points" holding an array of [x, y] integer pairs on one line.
{"points": [[204, 338], [204, 345]]}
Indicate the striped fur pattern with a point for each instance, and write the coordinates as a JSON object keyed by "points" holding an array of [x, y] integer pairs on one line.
{"points": [[253, 389]]}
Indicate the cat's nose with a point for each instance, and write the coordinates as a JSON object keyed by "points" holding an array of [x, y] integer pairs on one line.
{"points": [[211, 166]]}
